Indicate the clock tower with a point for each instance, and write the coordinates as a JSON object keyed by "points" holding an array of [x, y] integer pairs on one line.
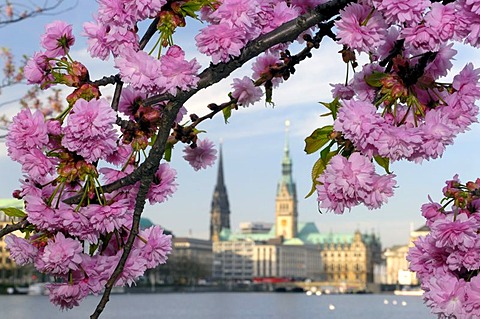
{"points": [[286, 200]]}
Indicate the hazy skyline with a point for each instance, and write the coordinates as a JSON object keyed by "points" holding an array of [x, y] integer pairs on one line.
{"points": [[253, 146]]}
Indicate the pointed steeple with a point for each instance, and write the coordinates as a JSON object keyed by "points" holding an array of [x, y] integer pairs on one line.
{"points": [[286, 200], [220, 211], [287, 179], [220, 179]]}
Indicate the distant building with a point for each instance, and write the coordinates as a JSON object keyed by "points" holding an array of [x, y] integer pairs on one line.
{"points": [[396, 263], [220, 211], [397, 266], [286, 213], [291, 249], [350, 258], [196, 250], [255, 227]]}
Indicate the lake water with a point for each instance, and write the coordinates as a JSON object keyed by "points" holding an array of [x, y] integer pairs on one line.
{"points": [[224, 306]]}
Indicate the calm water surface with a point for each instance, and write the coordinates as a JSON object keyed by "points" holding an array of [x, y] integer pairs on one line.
{"points": [[224, 306]]}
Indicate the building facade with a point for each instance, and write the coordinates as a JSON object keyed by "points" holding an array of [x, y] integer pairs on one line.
{"points": [[196, 250], [397, 266], [350, 259], [239, 260]]}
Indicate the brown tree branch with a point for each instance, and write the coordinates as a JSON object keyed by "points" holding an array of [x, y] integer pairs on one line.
{"points": [[286, 33], [150, 166], [214, 73], [13, 227]]}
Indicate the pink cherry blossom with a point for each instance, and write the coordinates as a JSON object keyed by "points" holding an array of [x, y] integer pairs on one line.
{"points": [[57, 39], [62, 254], [446, 295], [402, 11], [443, 20], [148, 8], [163, 185], [348, 182], [140, 70], [37, 70], [108, 218], [135, 266], [458, 232], [98, 45], [154, 246], [220, 41], [202, 156], [358, 33], [67, 295], [245, 91], [89, 131], [27, 131], [178, 73], [21, 250], [262, 66]]}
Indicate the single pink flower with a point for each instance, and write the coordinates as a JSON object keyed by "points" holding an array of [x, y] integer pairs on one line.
{"points": [[27, 131], [245, 91], [62, 254], [154, 246], [361, 29], [202, 156], [178, 73], [67, 295], [163, 185], [21, 250], [402, 11], [140, 70], [89, 131], [57, 39], [221, 41]]}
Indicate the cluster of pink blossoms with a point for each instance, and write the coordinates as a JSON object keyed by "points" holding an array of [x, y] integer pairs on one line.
{"points": [[447, 260], [349, 182], [396, 108], [81, 244]]}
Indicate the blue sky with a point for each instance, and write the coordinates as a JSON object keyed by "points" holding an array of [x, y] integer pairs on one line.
{"points": [[253, 145]]}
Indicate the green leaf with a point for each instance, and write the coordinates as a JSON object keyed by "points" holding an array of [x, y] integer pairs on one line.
{"points": [[383, 162], [168, 152], [320, 166], [318, 139], [325, 153], [317, 169], [333, 107], [152, 140], [375, 78], [14, 212], [227, 112]]}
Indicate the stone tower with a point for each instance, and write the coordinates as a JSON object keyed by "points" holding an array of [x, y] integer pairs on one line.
{"points": [[286, 201], [220, 212]]}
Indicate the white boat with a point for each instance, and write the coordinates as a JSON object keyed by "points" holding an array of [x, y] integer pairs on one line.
{"points": [[409, 292], [38, 289]]}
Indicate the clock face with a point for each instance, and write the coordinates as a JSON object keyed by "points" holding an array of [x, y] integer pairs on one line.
{"points": [[284, 222]]}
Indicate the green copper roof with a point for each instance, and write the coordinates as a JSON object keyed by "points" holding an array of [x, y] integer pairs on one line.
{"points": [[294, 242]]}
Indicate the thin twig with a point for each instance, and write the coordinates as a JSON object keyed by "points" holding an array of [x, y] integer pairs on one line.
{"points": [[13, 227]]}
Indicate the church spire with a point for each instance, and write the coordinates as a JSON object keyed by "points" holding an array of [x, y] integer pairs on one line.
{"points": [[220, 211], [286, 200], [287, 178]]}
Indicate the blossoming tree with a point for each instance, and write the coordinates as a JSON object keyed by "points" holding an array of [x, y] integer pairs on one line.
{"points": [[89, 170]]}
